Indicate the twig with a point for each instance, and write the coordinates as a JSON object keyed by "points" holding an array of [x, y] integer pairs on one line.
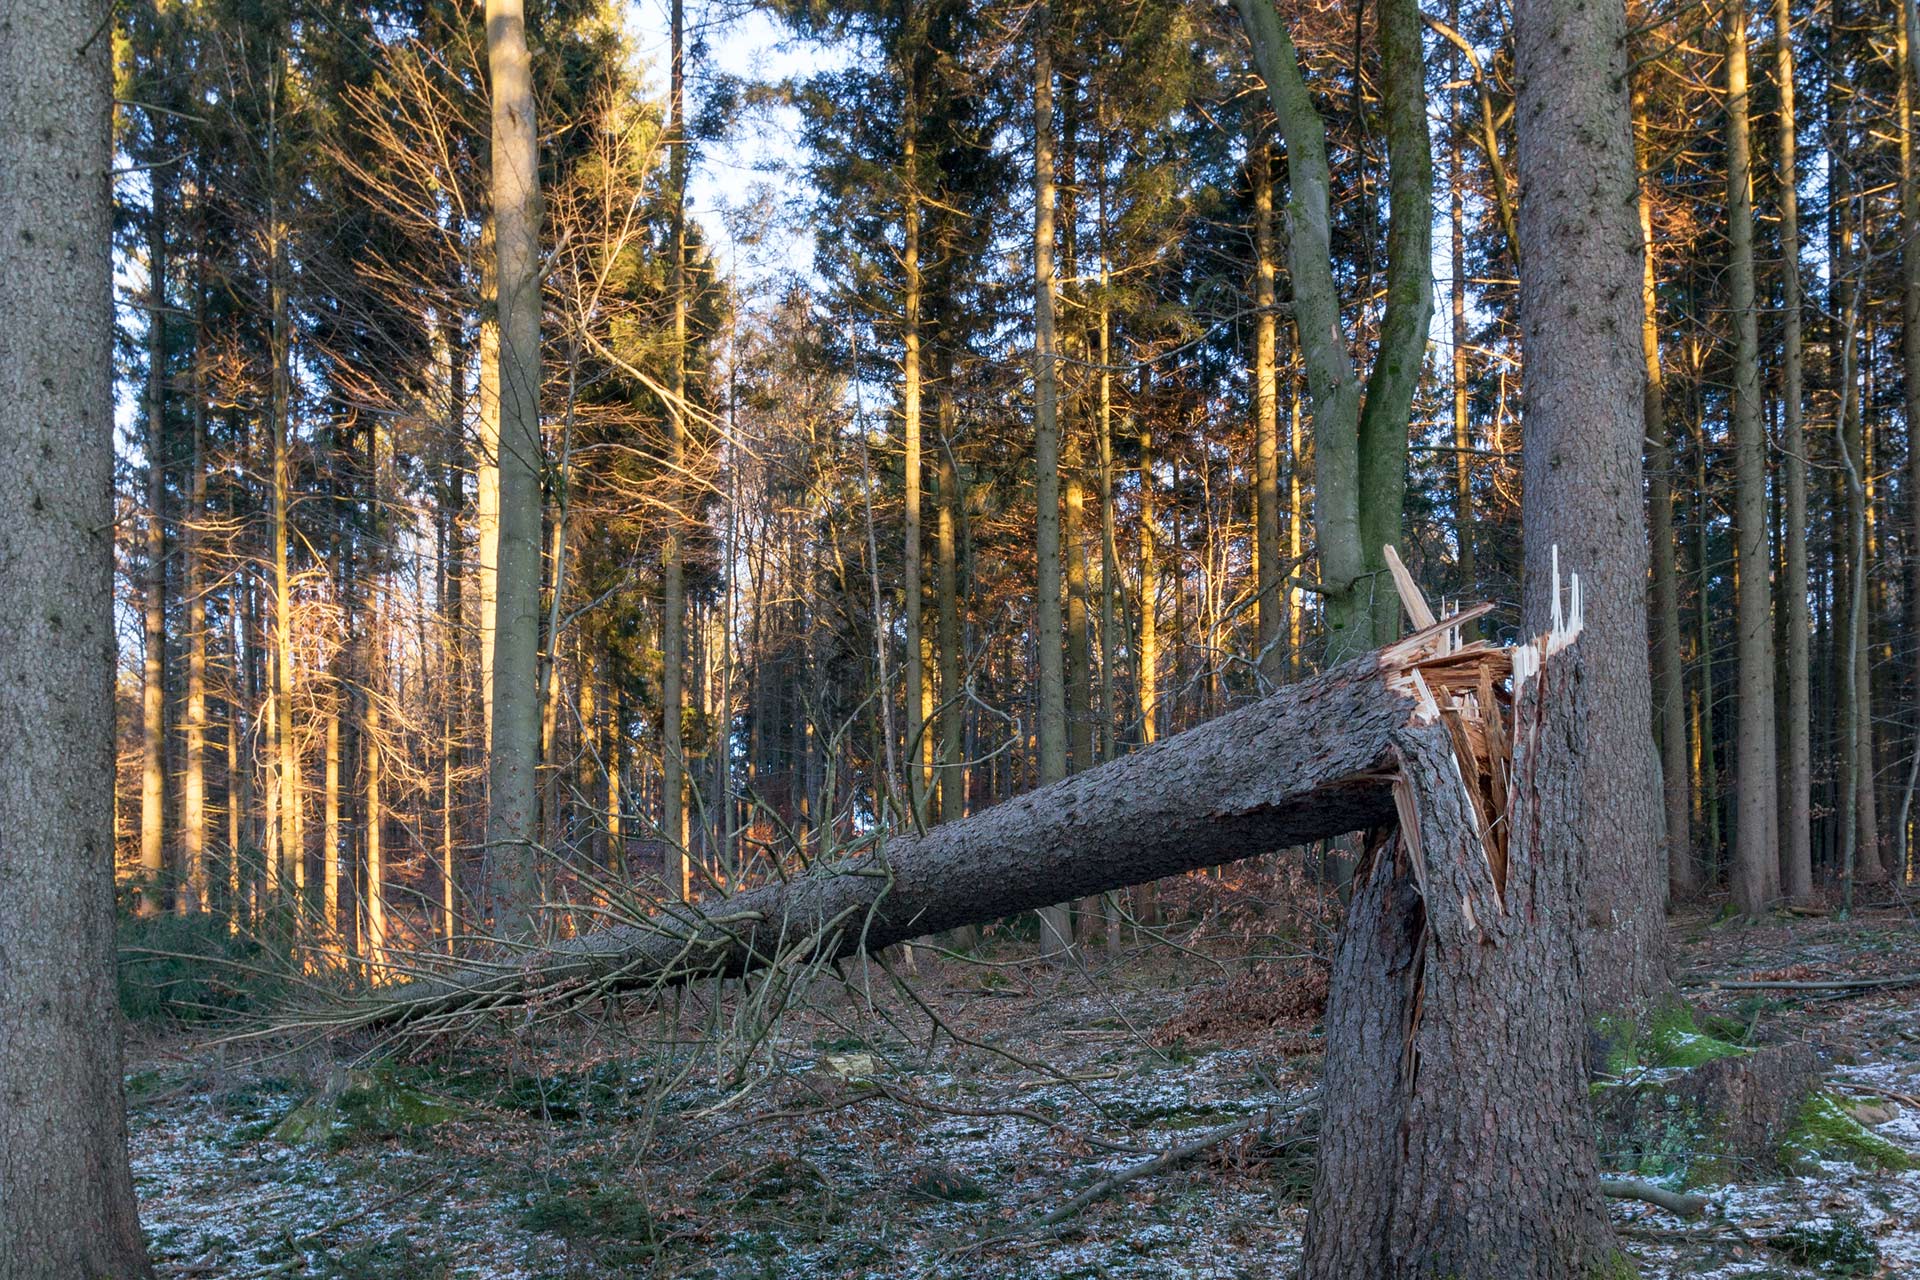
{"points": [[1687, 1206], [1838, 984]]}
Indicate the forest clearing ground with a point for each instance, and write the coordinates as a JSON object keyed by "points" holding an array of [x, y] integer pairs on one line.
{"points": [[560, 1154]]}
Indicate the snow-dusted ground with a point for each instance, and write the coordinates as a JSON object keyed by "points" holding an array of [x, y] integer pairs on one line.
{"points": [[808, 1174]]}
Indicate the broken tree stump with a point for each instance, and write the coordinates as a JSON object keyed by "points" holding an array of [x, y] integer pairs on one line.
{"points": [[1456, 1138]]}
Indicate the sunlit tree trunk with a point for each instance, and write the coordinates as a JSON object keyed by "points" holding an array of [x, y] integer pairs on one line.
{"points": [[486, 469], [1266, 416], [195, 894], [512, 805], [919, 742], [1463, 530], [673, 607], [1056, 935], [66, 1197], [1670, 698], [953, 770], [153, 681]]}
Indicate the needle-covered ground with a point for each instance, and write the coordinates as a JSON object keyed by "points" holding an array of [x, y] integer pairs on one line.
{"points": [[877, 1133]]}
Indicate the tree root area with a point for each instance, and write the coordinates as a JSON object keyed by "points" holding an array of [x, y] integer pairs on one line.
{"points": [[1002, 1118]]}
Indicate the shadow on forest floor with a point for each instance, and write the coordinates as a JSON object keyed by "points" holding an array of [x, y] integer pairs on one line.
{"points": [[851, 1148]]}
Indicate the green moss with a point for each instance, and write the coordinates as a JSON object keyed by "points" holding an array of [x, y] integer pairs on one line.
{"points": [[372, 1105], [1826, 1130], [1669, 1037], [1615, 1265]]}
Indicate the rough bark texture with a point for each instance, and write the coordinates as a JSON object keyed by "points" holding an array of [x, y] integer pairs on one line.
{"points": [[1670, 692], [1580, 305], [511, 802], [1796, 832], [1456, 1140], [1756, 868], [1301, 765], [66, 1197]]}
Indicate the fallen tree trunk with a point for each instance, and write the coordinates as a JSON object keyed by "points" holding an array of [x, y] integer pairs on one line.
{"points": [[1456, 1137], [1308, 763]]}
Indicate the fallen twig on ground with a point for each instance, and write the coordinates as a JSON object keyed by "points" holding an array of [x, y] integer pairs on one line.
{"points": [[1687, 1206]]}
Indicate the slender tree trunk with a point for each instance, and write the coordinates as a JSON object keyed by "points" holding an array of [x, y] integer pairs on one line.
{"points": [[66, 1196], [330, 823], [1148, 659], [1908, 33], [374, 886], [1580, 250], [1266, 417], [1385, 422], [1331, 381], [193, 781], [486, 516], [1756, 861], [1463, 529], [673, 607], [1796, 837], [1056, 931], [291, 838], [953, 771], [512, 804], [1360, 467], [153, 681], [919, 742], [1670, 695]]}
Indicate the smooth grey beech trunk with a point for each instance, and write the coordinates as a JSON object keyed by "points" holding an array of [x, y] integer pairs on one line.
{"points": [[66, 1197]]}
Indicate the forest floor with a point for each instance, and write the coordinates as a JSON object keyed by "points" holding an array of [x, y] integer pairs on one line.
{"points": [[856, 1144]]}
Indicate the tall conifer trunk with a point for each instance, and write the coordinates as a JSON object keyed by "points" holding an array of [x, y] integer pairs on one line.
{"points": [[673, 605], [1580, 306], [1670, 698], [1796, 838], [66, 1196], [1756, 861], [512, 804], [1266, 417], [153, 681], [1048, 616]]}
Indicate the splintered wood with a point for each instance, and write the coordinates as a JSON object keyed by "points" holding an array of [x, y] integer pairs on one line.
{"points": [[1463, 685]]}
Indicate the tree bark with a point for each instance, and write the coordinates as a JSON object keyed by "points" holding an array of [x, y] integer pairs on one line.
{"points": [[1360, 467], [1908, 31], [1796, 836], [1456, 1042], [1051, 717], [1580, 309], [673, 604], [1266, 417], [512, 805], [66, 1195], [153, 678], [1756, 862], [1670, 695]]}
